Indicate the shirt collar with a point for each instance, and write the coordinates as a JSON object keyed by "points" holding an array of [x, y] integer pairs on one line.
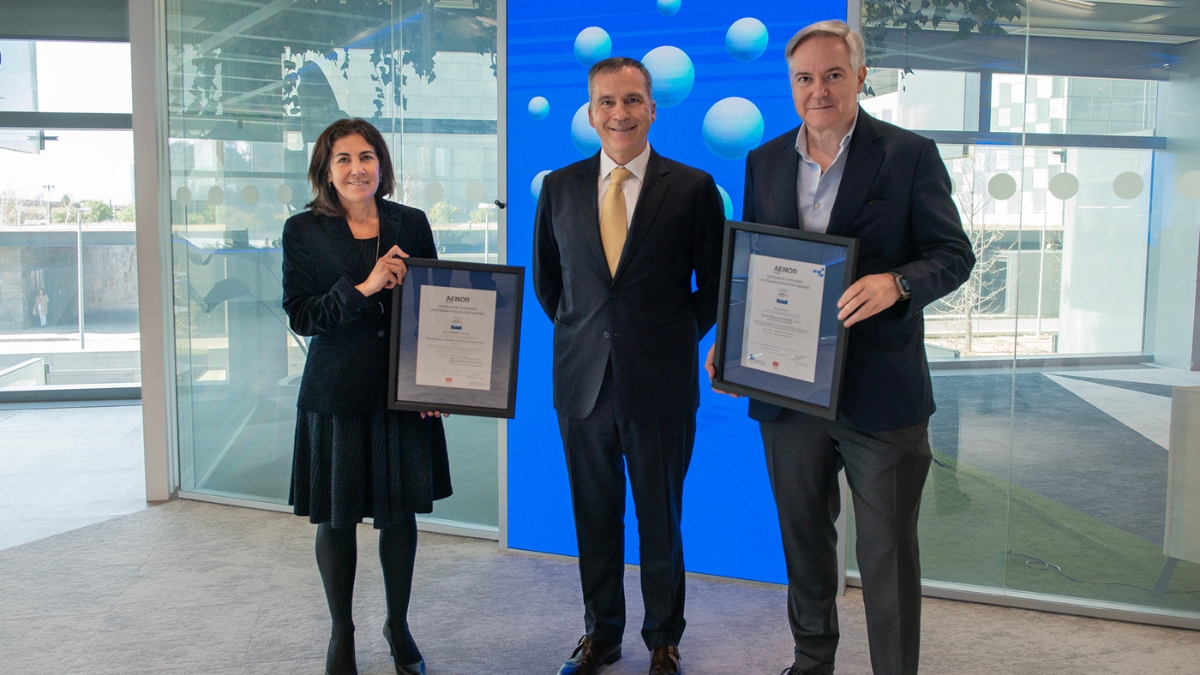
{"points": [[636, 166], [802, 141]]}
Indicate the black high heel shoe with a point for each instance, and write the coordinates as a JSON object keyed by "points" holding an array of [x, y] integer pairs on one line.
{"points": [[417, 668]]}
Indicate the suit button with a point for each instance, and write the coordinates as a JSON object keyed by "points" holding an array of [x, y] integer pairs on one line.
{"points": [[380, 334], [612, 294], [607, 335]]}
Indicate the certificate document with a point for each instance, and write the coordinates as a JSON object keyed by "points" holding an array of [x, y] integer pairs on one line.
{"points": [[454, 338], [783, 316]]}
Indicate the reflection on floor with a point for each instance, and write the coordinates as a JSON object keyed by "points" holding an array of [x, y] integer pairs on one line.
{"points": [[63, 468]]}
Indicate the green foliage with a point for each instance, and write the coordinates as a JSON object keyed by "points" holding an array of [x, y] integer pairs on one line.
{"points": [[442, 212], [480, 215], [96, 211], [972, 16], [126, 214]]}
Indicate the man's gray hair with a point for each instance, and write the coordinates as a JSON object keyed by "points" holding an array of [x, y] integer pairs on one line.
{"points": [[833, 28], [616, 64]]}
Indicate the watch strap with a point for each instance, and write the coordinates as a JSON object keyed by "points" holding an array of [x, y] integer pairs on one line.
{"points": [[902, 284]]}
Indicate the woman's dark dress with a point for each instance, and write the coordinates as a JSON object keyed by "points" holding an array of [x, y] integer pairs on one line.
{"points": [[354, 458]]}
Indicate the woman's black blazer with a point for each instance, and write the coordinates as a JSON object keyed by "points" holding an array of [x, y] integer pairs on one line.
{"points": [[347, 366]]}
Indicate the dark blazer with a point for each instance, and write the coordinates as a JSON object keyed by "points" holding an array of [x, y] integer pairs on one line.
{"points": [[895, 199], [347, 365], [646, 319]]}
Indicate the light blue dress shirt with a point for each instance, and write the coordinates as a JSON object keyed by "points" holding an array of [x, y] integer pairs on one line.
{"points": [[816, 191]]}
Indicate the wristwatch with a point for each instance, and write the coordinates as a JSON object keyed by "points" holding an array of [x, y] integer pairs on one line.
{"points": [[902, 284]]}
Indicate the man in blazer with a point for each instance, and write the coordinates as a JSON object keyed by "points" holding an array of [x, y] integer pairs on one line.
{"points": [[617, 240], [845, 173]]}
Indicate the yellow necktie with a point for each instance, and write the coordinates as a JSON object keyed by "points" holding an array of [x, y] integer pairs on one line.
{"points": [[613, 224]]}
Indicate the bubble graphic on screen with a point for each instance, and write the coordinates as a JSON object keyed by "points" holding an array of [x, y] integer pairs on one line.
{"points": [[535, 187], [672, 72], [668, 7], [732, 127], [592, 44], [582, 134], [727, 202], [746, 39], [539, 107]]}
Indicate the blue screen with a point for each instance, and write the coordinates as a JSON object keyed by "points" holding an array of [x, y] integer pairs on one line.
{"points": [[720, 83]]}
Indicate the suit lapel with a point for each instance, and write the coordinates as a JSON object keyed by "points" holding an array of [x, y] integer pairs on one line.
{"points": [[389, 231], [784, 183], [342, 245], [650, 199], [862, 165], [587, 212]]}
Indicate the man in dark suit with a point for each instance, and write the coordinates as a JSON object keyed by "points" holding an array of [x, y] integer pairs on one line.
{"points": [[845, 173], [617, 239]]}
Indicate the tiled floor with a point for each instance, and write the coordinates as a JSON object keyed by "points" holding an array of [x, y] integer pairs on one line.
{"points": [[62, 468]]}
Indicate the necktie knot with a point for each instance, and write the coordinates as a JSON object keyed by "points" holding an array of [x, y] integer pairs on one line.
{"points": [[618, 176]]}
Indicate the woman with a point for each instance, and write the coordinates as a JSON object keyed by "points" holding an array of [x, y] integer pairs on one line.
{"points": [[354, 458]]}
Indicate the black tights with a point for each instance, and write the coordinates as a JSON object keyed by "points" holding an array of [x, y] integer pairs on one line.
{"points": [[337, 558]]}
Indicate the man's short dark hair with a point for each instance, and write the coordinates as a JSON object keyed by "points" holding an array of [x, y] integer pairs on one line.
{"points": [[325, 197], [615, 64]]}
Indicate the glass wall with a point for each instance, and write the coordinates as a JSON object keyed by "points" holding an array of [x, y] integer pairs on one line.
{"points": [[250, 87], [1065, 451], [68, 265]]}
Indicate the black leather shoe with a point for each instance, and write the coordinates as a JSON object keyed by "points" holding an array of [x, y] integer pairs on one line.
{"points": [[589, 656], [665, 661]]}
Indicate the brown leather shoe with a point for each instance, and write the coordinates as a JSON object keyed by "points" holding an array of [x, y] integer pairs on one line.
{"points": [[589, 655], [666, 661]]}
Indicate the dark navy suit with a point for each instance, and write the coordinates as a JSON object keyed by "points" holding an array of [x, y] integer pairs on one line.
{"points": [[895, 199], [625, 373]]}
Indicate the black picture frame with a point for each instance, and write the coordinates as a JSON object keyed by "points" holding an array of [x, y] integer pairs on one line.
{"points": [[499, 400], [837, 256]]}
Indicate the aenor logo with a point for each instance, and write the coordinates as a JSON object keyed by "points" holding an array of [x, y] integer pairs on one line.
{"points": [[457, 298], [780, 269]]}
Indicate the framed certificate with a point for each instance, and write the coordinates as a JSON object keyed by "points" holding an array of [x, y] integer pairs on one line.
{"points": [[778, 337], [456, 330]]}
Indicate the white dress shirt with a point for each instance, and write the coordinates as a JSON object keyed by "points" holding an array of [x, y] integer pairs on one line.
{"points": [[632, 187], [816, 191]]}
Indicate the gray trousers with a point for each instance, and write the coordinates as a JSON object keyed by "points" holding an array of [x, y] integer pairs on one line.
{"points": [[886, 472]]}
